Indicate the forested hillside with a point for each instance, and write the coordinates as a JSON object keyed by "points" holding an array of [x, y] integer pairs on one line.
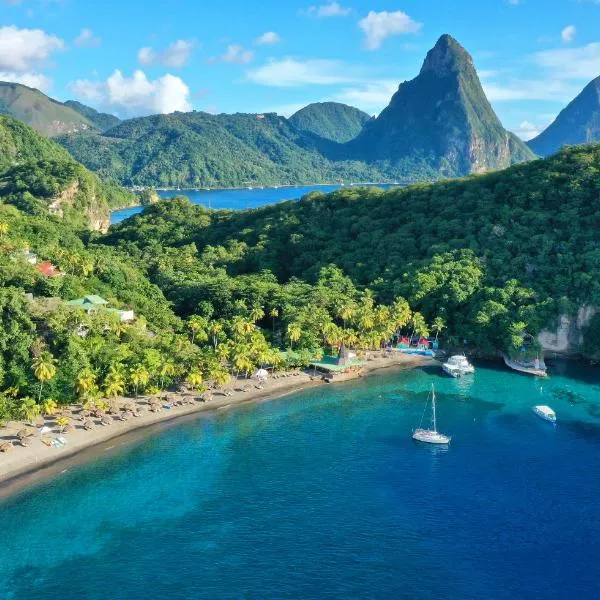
{"points": [[37, 174], [489, 254]]}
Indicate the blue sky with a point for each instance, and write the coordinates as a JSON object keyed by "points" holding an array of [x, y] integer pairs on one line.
{"points": [[138, 57]]}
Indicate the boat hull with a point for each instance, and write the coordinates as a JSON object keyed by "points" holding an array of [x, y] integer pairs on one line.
{"points": [[550, 417], [430, 437]]}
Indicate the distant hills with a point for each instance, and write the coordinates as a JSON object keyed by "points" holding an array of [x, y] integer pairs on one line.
{"points": [[438, 125], [330, 120], [48, 116], [578, 123]]}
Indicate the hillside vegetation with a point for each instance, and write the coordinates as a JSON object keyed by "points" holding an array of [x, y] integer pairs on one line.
{"points": [[330, 120], [493, 256], [36, 173]]}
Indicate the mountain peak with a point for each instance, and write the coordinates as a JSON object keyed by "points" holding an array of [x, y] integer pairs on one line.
{"points": [[447, 56]]}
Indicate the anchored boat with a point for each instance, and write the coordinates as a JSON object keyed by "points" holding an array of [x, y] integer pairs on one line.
{"points": [[458, 365], [430, 436], [545, 412]]}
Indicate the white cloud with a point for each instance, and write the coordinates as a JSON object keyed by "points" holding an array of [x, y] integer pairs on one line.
{"points": [[136, 95], [527, 131], [568, 33], [571, 63], [332, 9], [378, 26], [22, 50], [235, 54], [289, 72], [87, 39], [34, 80], [372, 96], [268, 39], [552, 90], [176, 55]]}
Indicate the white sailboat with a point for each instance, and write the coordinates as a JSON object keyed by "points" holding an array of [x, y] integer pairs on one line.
{"points": [[430, 436]]}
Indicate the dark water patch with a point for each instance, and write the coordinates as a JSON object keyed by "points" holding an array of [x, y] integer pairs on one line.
{"points": [[568, 396]]}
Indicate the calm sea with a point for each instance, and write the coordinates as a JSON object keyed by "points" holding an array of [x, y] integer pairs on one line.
{"points": [[324, 494], [238, 199]]}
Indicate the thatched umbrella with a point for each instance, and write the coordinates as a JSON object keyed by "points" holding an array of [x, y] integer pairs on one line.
{"points": [[88, 424], [154, 405], [84, 414], [130, 406], [207, 396], [106, 420], [127, 415], [6, 446], [23, 435], [68, 427]]}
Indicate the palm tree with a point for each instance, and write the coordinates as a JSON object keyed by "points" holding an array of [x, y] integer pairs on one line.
{"points": [[197, 325], [294, 332], [194, 378], [346, 312], [419, 325], [139, 377], [49, 407], [438, 325], [214, 331], [85, 383], [29, 409], [114, 382], [274, 313], [44, 368], [256, 314], [168, 369], [3, 228], [221, 377]]}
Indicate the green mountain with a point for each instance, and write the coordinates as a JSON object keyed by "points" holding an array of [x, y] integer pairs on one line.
{"points": [[441, 120], [438, 125], [199, 149], [44, 114], [578, 123], [37, 175], [330, 120], [102, 121]]}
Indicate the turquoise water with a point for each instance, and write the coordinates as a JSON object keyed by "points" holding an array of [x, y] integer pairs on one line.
{"points": [[324, 495], [238, 199]]}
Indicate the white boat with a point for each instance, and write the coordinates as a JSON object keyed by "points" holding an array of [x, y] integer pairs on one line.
{"points": [[458, 365], [545, 412], [430, 436]]}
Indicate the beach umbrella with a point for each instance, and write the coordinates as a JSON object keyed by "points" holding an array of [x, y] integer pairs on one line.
{"points": [[88, 424], [106, 420], [261, 374], [129, 406], [23, 435], [6, 446], [68, 427]]}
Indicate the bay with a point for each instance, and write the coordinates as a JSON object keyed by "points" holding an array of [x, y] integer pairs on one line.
{"points": [[323, 494]]}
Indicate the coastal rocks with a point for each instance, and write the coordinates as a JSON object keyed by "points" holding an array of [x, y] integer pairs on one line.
{"points": [[567, 338]]}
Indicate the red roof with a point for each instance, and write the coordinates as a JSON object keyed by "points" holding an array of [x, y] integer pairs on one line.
{"points": [[47, 269], [424, 342]]}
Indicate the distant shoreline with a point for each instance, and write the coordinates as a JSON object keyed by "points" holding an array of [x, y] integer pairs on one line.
{"points": [[25, 467]]}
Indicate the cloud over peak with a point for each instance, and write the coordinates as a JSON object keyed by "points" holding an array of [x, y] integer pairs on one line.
{"points": [[22, 50], [135, 95], [378, 26]]}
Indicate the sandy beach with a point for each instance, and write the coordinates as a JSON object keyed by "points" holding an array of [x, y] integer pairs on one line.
{"points": [[24, 466]]}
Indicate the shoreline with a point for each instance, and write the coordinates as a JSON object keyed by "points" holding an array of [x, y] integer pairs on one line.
{"points": [[26, 467]]}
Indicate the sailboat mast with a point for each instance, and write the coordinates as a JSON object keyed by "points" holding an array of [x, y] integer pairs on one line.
{"points": [[433, 406]]}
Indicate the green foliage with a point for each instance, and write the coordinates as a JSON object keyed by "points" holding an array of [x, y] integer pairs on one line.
{"points": [[330, 120], [102, 121]]}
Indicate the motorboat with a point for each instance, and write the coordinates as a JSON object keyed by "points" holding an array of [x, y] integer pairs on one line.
{"points": [[545, 412], [458, 365]]}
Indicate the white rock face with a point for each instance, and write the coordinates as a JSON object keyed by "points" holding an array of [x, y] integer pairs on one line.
{"points": [[568, 336]]}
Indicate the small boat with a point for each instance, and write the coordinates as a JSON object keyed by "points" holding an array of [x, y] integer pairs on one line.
{"points": [[458, 365], [545, 412], [430, 436]]}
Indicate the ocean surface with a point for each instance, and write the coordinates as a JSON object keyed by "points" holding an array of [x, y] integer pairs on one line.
{"points": [[238, 199], [323, 494]]}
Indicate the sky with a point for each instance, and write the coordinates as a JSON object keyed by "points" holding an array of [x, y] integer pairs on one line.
{"points": [[136, 57]]}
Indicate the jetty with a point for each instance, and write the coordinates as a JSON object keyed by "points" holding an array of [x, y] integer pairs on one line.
{"points": [[535, 367]]}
